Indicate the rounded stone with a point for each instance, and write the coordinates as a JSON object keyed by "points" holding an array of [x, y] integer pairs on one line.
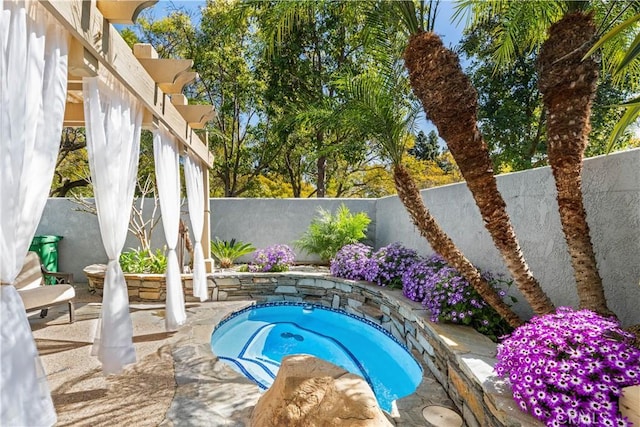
{"points": [[441, 417]]}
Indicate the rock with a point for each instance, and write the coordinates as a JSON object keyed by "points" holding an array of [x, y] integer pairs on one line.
{"points": [[312, 392]]}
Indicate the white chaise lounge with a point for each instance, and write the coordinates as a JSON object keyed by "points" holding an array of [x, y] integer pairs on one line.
{"points": [[36, 294]]}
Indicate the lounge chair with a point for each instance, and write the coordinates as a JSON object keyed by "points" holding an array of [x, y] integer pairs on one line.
{"points": [[35, 294]]}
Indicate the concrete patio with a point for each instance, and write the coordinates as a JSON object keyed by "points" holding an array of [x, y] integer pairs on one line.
{"points": [[177, 381]]}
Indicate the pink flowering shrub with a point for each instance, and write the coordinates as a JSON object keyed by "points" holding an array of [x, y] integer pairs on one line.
{"points": [[568, 368]]}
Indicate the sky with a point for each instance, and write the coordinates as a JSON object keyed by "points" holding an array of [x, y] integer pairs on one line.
{"points": [[450, 32]]}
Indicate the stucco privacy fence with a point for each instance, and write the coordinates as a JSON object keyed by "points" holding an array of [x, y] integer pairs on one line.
{"points": [[611, 187]]}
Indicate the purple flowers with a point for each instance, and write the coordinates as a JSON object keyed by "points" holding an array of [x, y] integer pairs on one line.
{"points": [[568, 368], [351, 262], [440, 288], [450, 298], [273, 258], [388, 264]]}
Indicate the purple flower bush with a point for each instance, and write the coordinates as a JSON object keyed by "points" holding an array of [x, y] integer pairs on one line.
{"points": [[273, 258], [388, 264], [568, 368], [351, 261], [451, 298]]}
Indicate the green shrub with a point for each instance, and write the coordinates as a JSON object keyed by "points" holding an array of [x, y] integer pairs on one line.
{"points": [[143, 261], [228, 251], [328, 233]]}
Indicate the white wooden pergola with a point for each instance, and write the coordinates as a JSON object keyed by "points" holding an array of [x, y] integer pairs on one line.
{"points": [[61, 60], [156, 82]]}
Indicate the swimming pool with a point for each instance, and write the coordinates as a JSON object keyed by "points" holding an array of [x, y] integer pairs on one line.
{"points": [[254, 340]]}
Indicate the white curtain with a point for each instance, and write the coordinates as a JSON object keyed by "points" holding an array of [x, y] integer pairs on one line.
{"points": [[196, 198], [165, 153], [33, 79], [113, 118]]}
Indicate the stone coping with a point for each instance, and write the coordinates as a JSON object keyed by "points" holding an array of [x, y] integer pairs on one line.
{"points": [[460, 358]]}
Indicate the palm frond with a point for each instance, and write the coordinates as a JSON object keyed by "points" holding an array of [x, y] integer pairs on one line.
{"points": [[519, 27], [228, 251], [375, 99], [613, 33], [283, 18], [631, 114], [631, 55], [407, 11]]}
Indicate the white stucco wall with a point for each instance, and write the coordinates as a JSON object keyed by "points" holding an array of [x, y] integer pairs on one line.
{"points": [[262, 222], [611, 186], [612, 199]]}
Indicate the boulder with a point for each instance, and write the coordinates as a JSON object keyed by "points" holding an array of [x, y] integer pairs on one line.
{"points": [[312, 392]]}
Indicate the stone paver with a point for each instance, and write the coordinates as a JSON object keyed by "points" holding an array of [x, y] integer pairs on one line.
{"points": [[198, 390]]}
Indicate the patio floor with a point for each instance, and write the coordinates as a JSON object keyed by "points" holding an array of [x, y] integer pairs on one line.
{"points": [[176, 380]]}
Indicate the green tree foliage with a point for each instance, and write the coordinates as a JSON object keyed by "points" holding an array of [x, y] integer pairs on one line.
{"points": [[510, 113], [426, 146], [307, 44], [228, 66], [625, 37], [143, 261], [327, 232], [129, 36], [223, 49], [270, 68], [71, 176], [500, 35]]}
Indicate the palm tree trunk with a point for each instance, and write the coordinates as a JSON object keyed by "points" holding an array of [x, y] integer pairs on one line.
{"points": [[568, 85], [441, 243], [450, 102]]}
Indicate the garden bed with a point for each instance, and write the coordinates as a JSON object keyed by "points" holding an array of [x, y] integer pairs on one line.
{"points": [[141, 287]]}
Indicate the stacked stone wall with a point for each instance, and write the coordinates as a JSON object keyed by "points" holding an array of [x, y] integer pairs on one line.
{"points": [[460, 358]]}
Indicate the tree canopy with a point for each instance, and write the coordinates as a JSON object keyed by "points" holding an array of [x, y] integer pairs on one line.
{"points": [[283, 127]]}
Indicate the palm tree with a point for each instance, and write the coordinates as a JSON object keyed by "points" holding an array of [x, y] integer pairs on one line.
{"points": [[567, 83], [379, 103], [450, 102]]}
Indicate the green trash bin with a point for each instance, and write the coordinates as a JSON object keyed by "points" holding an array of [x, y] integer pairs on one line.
{"points": [[47, 248]]}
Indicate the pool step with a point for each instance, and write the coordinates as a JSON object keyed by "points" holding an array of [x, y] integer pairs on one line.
{"points": [[256, 371]]}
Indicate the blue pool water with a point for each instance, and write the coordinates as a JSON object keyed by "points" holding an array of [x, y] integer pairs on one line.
{"points": [[253, 341]]}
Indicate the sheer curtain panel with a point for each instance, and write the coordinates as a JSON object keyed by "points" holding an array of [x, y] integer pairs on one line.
{"points": [[113, 118], [33, 79], [196, 199], [165, 153]]}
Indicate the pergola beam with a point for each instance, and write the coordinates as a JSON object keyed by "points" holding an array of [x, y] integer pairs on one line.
{"points": [[101, 41], [74, 116], [123, 11]]}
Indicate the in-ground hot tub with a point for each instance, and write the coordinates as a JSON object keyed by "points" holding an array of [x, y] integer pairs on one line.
{"points": [[254, 340]]}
